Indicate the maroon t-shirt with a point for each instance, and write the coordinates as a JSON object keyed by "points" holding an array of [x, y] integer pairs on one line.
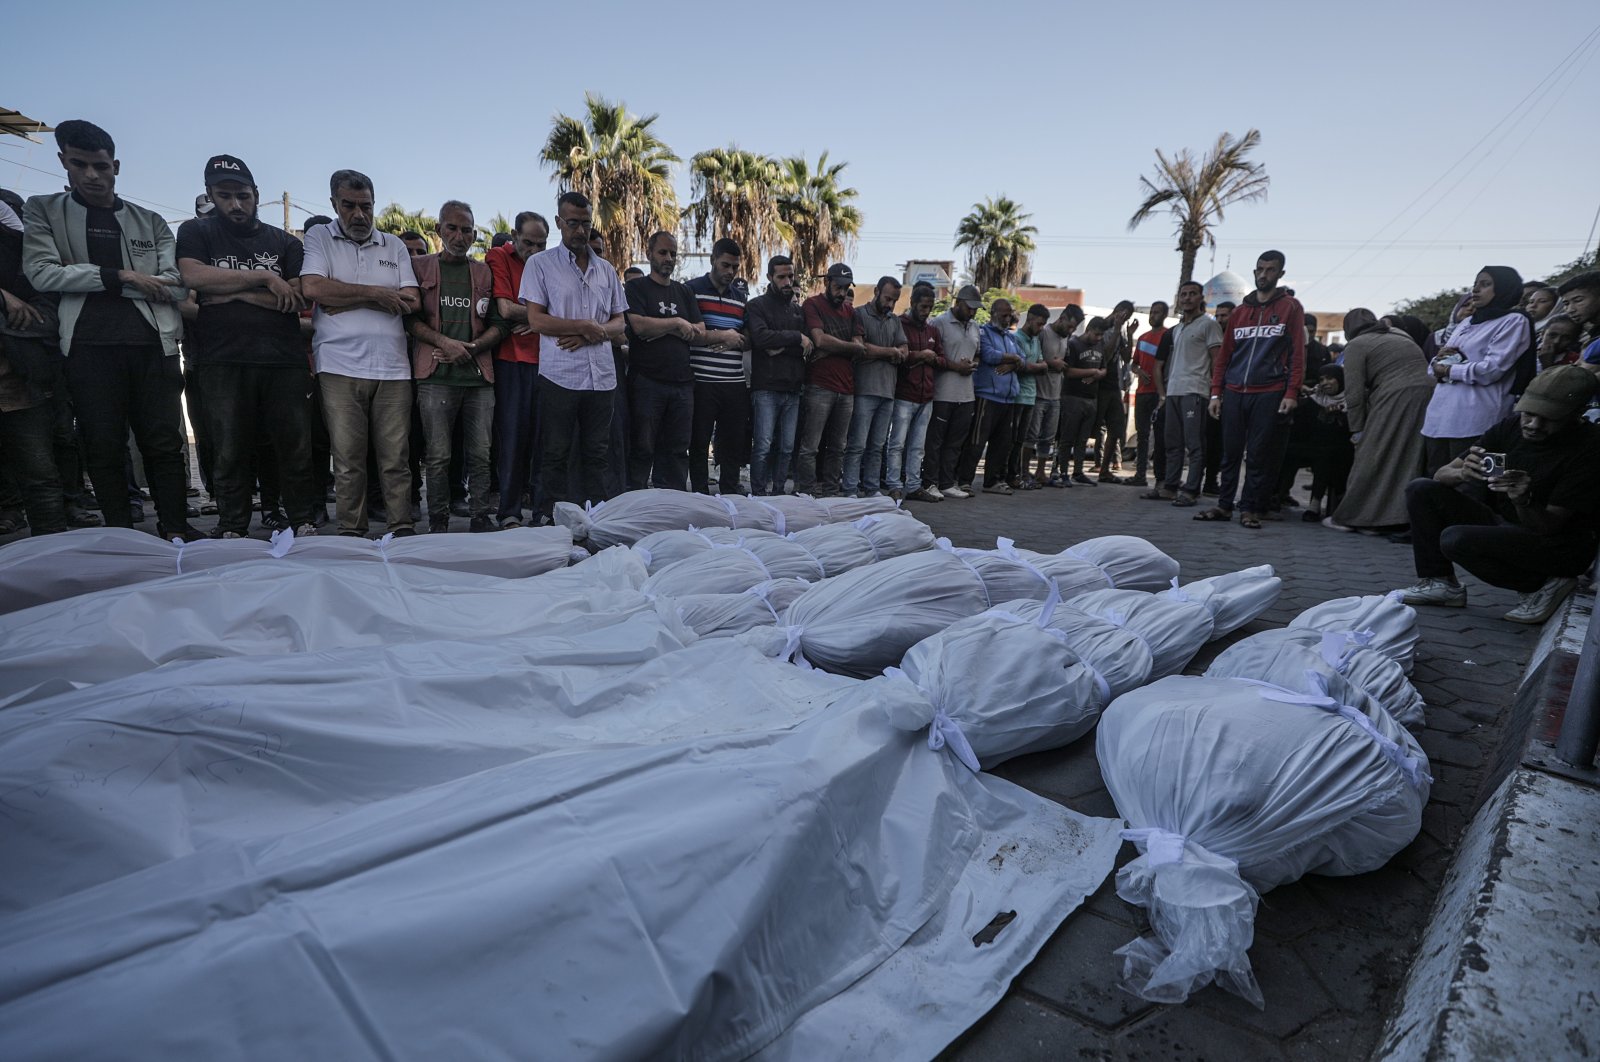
{"points": [[832, 372], [916, 381]]}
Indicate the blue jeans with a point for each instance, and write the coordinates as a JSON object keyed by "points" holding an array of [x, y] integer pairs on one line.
{"points": [[863, 452], [776, 415], [906, 436]]}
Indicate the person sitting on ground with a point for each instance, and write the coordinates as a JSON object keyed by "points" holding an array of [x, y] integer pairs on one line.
{"points": [[1520, 509]]}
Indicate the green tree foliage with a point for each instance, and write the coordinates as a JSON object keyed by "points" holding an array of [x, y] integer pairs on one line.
{"points": [[617, 161], [736, 196], [396, 219], [1434, 310], [1196, 193], [820, 212], [998, 241]]}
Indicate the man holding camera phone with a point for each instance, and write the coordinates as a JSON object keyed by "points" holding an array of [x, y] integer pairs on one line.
{"points": [[1520, 509]]}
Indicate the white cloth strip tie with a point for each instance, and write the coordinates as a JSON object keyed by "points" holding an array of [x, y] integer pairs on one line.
{"points": [[943, 730], [1160, 846], [1409, 765], [282, 543], [780, 523]]}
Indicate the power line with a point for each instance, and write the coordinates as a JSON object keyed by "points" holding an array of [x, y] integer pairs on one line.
{"points": [[1554, 72]]}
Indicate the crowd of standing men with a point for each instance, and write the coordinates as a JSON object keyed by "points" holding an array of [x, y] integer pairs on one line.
{"points": [[356, 366]]}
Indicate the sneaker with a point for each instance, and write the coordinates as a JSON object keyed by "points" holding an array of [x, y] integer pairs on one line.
{"points": [[1435, 592], [459, 508], [404, 532], [79, 516], [275, 520], [481, 523], [927, 494], [305, 530], [1079, 477], [968, 487], [955, 492], [1137, 481], [438, 525], [1107, 477], [510, 522], [1158, 494], [1543, 602], [998, 488], [1055, 481]]}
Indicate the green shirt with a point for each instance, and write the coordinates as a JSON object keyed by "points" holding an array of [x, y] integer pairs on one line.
{"points": [[455, 322], [1033, 350]]}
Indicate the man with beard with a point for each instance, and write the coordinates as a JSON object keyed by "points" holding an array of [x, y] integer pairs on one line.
{"points": [[1255, 386], [663, 319], [721, 397], [516, 371], [829, 396], [779, 348], [251, 366], [113, 264], [453, 361], [363, 284], [877, 371], [1520, 509], [953, 396], [1111, 410]]}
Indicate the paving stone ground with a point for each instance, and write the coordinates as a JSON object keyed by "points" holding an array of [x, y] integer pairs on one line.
{"points": [[1330, 953]]}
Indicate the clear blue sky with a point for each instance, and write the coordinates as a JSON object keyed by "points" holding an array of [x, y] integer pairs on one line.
{"points": [[1362, 106]]}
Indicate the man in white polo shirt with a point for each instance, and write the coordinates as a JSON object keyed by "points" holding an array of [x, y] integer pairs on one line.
{"points": [[576, 303], [362, 283]]}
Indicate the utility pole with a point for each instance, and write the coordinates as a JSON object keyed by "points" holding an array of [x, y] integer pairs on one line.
{"points": [[287, 227]]}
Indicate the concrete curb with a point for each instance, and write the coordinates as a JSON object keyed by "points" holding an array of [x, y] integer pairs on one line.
{"points": [[1509, 966]]}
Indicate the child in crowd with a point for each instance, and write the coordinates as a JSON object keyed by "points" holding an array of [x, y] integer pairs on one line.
{"points": [[1332, 453]]}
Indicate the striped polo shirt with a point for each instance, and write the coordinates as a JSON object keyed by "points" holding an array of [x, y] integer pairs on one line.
{"points": [[719, 311]]}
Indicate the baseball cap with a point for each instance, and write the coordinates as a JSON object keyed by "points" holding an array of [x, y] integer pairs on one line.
{"points": [[840, 271], [1559, 392], [203, 205], [971, 296], [227, 168]]}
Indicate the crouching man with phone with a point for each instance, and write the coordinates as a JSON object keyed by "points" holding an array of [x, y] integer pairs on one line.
{"points": [[1520, 509]]}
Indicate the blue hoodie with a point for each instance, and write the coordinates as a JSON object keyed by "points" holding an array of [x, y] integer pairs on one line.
{"points": [[993, 344]]}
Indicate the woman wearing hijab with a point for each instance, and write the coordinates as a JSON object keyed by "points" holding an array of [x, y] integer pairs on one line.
{"points": [[1476, 368], [1386, 395]]}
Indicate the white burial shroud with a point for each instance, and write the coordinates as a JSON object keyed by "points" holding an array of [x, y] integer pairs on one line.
{"points": [[579, 836]]}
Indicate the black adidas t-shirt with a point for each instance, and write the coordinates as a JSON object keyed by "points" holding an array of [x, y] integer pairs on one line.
{"points": [[237, 332]]}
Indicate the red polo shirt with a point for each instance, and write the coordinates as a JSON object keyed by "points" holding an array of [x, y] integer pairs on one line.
{"points": [[507, 270]]}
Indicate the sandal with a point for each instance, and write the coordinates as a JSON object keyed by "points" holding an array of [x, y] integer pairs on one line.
{"points": [[1183, 501], [1250, 520], [1222, 515]]}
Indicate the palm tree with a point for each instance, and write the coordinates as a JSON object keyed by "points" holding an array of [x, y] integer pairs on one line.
{"points": [[1197, 195], [397, 219], [486, 234], [618, 162], [999, 243], [819, 212], [736, 196]]}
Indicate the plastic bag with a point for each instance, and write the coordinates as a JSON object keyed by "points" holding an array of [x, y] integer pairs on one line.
{"points": [[1392, 622], [1232, 787]]}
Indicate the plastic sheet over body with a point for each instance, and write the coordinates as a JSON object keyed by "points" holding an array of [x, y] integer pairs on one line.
{"points": [[629, 517], [37, 571], [607, 901]]}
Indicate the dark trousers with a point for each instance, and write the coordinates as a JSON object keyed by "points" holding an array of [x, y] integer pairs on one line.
{"points": [[1213, 448], [1020, 415], [948, 429], [1077, 424], [574, 422], [1449, 526], [1436, 453], [115, 388], [1186, 422], [1110, 427], [245, 402], [991, 428], [722, 411], [69, 462], [824, 425], [660, 420], [200, 420], [27, 453], [1151, 427], [516, 427], [1251, 436]]}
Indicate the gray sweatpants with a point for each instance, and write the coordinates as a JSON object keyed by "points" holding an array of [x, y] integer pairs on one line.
{"points": [[1186, 439]]}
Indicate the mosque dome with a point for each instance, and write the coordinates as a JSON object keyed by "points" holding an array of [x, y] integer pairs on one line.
{"points": [[1225, 287]]}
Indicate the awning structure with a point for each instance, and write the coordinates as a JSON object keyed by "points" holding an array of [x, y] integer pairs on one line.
{"points": [[18, 124]]}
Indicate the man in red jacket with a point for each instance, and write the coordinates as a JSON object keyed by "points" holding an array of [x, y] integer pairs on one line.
{"points": [[1255, 380]]}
